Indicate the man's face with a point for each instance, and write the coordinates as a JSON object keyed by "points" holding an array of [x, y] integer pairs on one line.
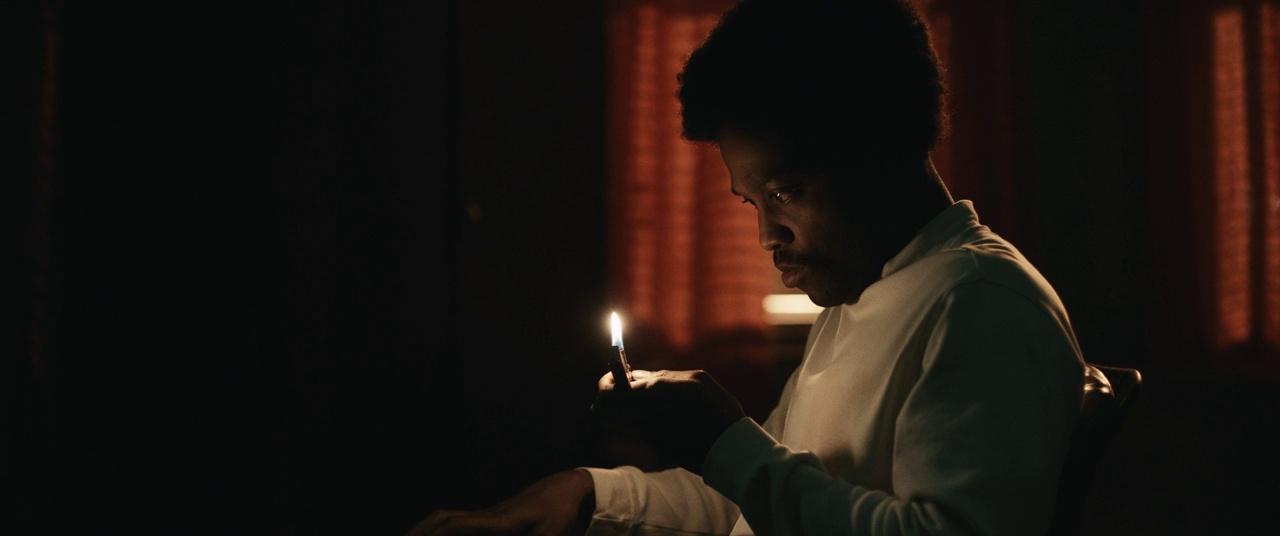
{"points": [[812, 230]]}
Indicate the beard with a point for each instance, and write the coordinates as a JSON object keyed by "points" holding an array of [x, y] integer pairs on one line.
{"points": [[830, 281], [826, 289]]}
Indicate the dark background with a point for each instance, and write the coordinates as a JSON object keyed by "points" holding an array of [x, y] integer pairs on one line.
{"points": [[322, 267]]}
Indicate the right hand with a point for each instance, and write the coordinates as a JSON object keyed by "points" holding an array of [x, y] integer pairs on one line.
{"points": [[559, 505], [679, 413]]}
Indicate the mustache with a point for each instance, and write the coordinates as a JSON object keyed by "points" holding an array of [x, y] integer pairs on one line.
{"points": [[781, 258]]}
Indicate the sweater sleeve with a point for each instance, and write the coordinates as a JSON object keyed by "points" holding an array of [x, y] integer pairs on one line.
{"points": [[675, 501], [978, 443]]}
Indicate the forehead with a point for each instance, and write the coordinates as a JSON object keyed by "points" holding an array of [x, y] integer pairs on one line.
{"points": [[751, 159]]}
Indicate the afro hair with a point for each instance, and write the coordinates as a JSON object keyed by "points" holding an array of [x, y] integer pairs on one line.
{"points": [[830, 78]]}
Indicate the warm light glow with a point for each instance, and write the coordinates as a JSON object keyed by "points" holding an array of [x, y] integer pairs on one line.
{"points": [[615, 328], [1269, 202], [684, 256], [1232, 188], [790, 309]]}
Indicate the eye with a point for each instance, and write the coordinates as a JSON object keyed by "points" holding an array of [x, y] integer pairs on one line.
{"points": [[781, 196]]}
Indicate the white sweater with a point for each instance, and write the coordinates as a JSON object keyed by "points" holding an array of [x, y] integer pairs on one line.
{"points": [[942, 402]]}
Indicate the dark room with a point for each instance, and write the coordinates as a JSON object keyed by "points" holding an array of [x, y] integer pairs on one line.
{"points": [[881, 267]]}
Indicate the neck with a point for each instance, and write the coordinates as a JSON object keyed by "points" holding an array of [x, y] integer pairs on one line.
{"points": [[909, 208]]}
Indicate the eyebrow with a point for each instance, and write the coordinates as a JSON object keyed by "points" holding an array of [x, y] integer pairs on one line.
{"points": [[752, 178], [777, 173]]}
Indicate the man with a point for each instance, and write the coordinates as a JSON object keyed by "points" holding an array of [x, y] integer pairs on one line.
{"points": [[940, 385]]}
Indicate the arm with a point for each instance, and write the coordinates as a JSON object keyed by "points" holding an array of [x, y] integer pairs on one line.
{"points": [[674, 501], [557, 504], [979, 441], [606, 501]]}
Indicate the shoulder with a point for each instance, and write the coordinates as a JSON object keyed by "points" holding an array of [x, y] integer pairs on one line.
{"points": [[996, 290], [1002, 332], [994, 296], [998, 263], [991, 304], [986, 269]]}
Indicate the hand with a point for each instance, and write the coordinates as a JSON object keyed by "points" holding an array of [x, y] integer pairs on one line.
{"points": [[558, 505], [681, 413]]}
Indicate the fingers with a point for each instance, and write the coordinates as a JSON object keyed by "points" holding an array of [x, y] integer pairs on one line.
{"points": [[606, 382], [644, 384], [652, 393], [477, 524], [663, 380], [459, 523], [648, 381], [432, 522], [646, 378]]}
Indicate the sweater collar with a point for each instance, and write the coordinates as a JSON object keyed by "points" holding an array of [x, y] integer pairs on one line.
{"points": [[948, 229]]}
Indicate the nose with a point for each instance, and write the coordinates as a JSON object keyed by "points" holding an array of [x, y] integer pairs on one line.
{"points": [[773, 235]]}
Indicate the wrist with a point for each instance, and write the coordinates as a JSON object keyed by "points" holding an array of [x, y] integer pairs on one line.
{"points": [[585, 485], [728, 419]]}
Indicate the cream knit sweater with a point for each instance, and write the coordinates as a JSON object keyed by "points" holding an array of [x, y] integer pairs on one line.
{"points": [[941, 402]]}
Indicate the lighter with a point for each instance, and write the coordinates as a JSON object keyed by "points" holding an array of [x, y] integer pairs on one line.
{"points": [[618, 364]]}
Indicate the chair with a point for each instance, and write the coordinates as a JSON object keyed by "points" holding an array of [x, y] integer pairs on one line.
{"points": [[1108, 395]]}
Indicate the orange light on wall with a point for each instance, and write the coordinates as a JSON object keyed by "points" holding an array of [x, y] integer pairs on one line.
{"points": [[686, 254], [1231, 178], [1246, 174], [1269, 54]]}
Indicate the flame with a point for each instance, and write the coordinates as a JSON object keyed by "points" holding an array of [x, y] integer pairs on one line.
{"points": [[615, 328]]}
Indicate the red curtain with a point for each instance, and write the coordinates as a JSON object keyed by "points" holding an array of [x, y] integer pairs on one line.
{"points": [[1214, 103], [685, 261], [1245, 104], [686, 266], [975, 154]]}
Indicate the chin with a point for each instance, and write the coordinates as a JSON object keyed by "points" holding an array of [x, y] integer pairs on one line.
{"points": [[826, 297], [823, 299]]}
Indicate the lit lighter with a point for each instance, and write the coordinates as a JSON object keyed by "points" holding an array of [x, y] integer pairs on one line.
{"points": [[618, 364]]}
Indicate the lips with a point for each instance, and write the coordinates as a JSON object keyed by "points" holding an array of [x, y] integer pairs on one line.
{"points": [[790, 274]]}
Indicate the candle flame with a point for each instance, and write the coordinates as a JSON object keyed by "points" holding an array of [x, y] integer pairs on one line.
{"points": [[615, 328]]}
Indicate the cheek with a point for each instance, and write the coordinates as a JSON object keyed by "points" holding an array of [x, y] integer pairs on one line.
{"points": [[838, 248], [809, 226], [824, 235]]}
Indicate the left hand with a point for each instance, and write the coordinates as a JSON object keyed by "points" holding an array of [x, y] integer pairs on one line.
{"points": [[681, 413], [561, 504]]}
